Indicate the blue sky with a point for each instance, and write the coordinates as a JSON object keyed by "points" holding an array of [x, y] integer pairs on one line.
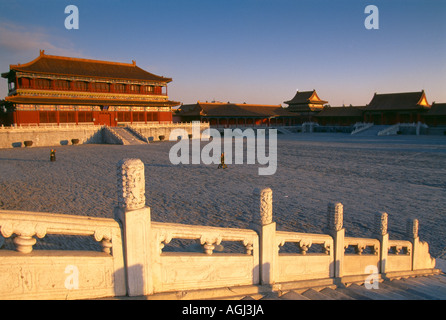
{"points": [[254, 51]]}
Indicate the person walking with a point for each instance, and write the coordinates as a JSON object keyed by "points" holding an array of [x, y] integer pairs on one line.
{"points": [[222, 162], [53, 155]]}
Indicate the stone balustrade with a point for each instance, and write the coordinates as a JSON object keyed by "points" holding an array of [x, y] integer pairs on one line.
{"points": [[55, 135], [47, 126], [152, 131], [208, 269], [134, 260], [295, 266], [42, 274]]}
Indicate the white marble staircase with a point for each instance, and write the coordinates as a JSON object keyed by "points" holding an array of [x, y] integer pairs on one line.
{"points": [[127, 136]]}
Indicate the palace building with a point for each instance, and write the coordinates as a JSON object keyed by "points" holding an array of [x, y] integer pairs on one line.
{"points": [[57, 90], [306, 105], [392, 108], [387, 109], [436, 116], [222, 114], [340, 116]]}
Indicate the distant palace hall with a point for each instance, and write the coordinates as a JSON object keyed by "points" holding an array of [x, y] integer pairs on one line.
{"points": [[306, 106], [53, 89]]}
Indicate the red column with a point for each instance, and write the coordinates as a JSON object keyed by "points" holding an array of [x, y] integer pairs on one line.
{"points": [[16, 117]]}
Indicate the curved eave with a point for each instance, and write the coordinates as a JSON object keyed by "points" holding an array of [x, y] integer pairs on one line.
{"points": [[95, 102], [25, 68], [307, 102], [161, 79], [423, 98]]}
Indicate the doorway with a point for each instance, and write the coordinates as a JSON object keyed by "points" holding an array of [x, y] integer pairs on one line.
{"points": [[104, 118]]}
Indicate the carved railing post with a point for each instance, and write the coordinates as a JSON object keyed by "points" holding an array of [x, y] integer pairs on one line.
{"points": [[268, 246], [381, 224], [135, 218], [335, 226], [412, 228], [209, 241], [412, 233], [25, 232], [421, 259]]}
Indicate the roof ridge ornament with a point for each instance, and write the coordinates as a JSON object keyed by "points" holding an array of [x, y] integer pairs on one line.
{"points": [[42, 52]]}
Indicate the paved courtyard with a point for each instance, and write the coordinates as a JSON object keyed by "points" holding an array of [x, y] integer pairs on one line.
{"points": [[402, 175]]}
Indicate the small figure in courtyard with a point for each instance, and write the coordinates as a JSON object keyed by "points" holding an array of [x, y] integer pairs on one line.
{"points": [[222, 162], [53, 155]]}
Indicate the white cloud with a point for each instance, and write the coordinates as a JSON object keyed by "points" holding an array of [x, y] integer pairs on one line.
{"points": [[17, 39], [21, 44]]}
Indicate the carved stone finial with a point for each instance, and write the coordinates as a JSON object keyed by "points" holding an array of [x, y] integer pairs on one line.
{"points": [[381, 223], [335, 216], [131, 184], [265, 205], [412, 228]]}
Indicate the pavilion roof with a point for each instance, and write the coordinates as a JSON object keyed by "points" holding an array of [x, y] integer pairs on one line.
{"points": [[437, 109], [398, 101], [306, 97], [57, 65]]}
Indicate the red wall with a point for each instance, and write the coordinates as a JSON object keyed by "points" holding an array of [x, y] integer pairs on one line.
{"points": [[165, 116], [100, 117], [27, 116]]}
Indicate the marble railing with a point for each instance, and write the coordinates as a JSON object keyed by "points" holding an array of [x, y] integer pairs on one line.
{"points": [[59, 274], [210, 268], [141, 263], [336, 263], [47, 126]]}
